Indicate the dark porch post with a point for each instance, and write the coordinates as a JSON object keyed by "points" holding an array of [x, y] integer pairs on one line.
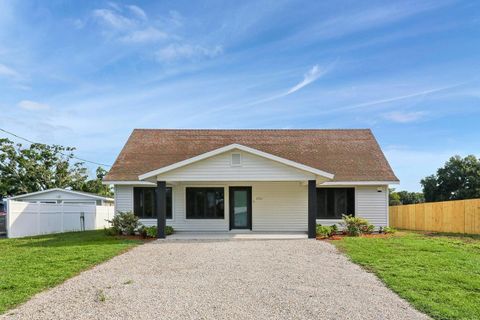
{"points": [[161, 194], [312, 208]]}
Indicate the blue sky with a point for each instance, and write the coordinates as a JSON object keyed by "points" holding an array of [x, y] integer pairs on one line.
{"points": [[85, 73]]}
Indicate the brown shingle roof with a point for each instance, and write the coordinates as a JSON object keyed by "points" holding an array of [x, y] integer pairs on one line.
{"points": [[352, 155]]}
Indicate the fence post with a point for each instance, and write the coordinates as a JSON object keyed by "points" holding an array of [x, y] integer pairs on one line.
{"points": [[62, 217], [38, 217], [8, 217]]}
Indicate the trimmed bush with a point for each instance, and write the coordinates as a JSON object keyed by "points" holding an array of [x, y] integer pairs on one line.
{"points": [[151, 232], [325, 231], [388, 230], [124, 223], [355, 226]]}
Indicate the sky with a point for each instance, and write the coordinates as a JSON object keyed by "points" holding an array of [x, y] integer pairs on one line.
{"points": [[86, 73]]}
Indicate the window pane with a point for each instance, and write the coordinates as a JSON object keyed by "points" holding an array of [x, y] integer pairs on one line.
{"points": [[321, 202], [333, 202], [145, 203], [340, 203], [205, 203], [169, 203], [137, 202], [149, 198], [330, 213]]}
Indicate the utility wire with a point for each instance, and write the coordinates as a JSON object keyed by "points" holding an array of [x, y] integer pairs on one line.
{"points": [[67, 155]]}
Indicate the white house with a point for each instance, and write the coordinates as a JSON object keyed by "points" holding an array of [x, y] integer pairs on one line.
{"points": [[58, 195], [259, 180]]}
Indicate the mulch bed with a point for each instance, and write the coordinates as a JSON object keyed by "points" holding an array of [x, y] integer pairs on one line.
{"points": [[139, 238]]}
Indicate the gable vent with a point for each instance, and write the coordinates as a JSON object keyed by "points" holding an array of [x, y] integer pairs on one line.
{"points": [[236, 159]]}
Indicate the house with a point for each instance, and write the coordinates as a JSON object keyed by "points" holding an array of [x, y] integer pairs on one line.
{"points": [[259, 180], [58, 195]]}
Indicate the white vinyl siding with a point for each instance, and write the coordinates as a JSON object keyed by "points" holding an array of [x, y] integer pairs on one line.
{"points": [[372, 205], [253, 167], [280, 206], [123, 198], [276, 206], [369, 204]]}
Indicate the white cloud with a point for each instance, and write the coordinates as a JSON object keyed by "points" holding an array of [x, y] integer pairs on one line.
{"points": [[313, 74], [398, 98], [350, 22], [9, 72], [149, 34], [187, 51], [404, 117], [137, 11], [113, 20], [32, 105]]}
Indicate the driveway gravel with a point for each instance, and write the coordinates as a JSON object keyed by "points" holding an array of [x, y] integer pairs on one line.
{"points": [[223, 279]]}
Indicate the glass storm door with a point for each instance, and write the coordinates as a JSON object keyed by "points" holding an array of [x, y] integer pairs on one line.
{"points": [[240, 208]]}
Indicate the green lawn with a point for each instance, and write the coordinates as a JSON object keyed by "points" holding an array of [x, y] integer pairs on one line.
{"points": [[29, 265], [439, 274]]}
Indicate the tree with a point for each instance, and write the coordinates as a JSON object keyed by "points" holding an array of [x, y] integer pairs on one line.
{"points": [[405, 197], [394, 198], [458, 179], [411, 197], [40, 167], [96, 186]]}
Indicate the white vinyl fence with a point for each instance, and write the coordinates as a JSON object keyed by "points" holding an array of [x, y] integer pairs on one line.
{"points": [[30, 219]]}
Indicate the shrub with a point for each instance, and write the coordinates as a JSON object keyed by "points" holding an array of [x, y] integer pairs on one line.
{"points": [[326, 232], [389, 230], [334, 229], [125, 223], [111, 231], [142, 231], [169, 230], [367, 229], [151, 232], [354, 226]]}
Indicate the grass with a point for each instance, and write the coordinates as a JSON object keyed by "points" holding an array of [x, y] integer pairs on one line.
{"points": [[30, 265], [439, 274]]}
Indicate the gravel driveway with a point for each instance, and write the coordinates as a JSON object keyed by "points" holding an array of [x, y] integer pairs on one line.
{"points": [[236, 279]]}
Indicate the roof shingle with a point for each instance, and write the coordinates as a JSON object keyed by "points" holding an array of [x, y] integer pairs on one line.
{"points": [[352, 155]]}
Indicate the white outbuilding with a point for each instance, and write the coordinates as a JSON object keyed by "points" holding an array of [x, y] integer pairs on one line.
{"points": [[58, 195]]}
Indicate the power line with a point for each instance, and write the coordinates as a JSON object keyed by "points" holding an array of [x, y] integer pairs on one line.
{"points": [[67, 155]]}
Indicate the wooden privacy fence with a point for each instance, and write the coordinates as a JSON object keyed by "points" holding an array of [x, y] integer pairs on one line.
{"points": [[459, 216]]}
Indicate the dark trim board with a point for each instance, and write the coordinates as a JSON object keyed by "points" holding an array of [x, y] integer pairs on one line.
{"points": [[231, 206], [312, 208]]}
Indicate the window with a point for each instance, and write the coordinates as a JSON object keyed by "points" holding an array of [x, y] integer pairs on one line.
{"points": [[144, 203], [333, 202], [205, 203]]}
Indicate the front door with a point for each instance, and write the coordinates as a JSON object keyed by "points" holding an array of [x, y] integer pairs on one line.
{"points": [[240, 208]]}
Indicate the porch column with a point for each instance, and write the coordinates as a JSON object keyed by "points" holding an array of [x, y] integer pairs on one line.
{"points": [[161, 194], [312, 208]]}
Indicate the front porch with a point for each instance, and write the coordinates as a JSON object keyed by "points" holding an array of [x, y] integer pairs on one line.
{"points": [[238, 235], [236, 210]]}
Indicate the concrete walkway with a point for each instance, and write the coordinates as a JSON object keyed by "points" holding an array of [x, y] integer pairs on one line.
{"points": [[222, 279], [237, 235]]}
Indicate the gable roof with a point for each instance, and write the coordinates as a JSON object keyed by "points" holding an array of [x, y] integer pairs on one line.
{"points": [[231, 147], [86, 194], [351, 155]]}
